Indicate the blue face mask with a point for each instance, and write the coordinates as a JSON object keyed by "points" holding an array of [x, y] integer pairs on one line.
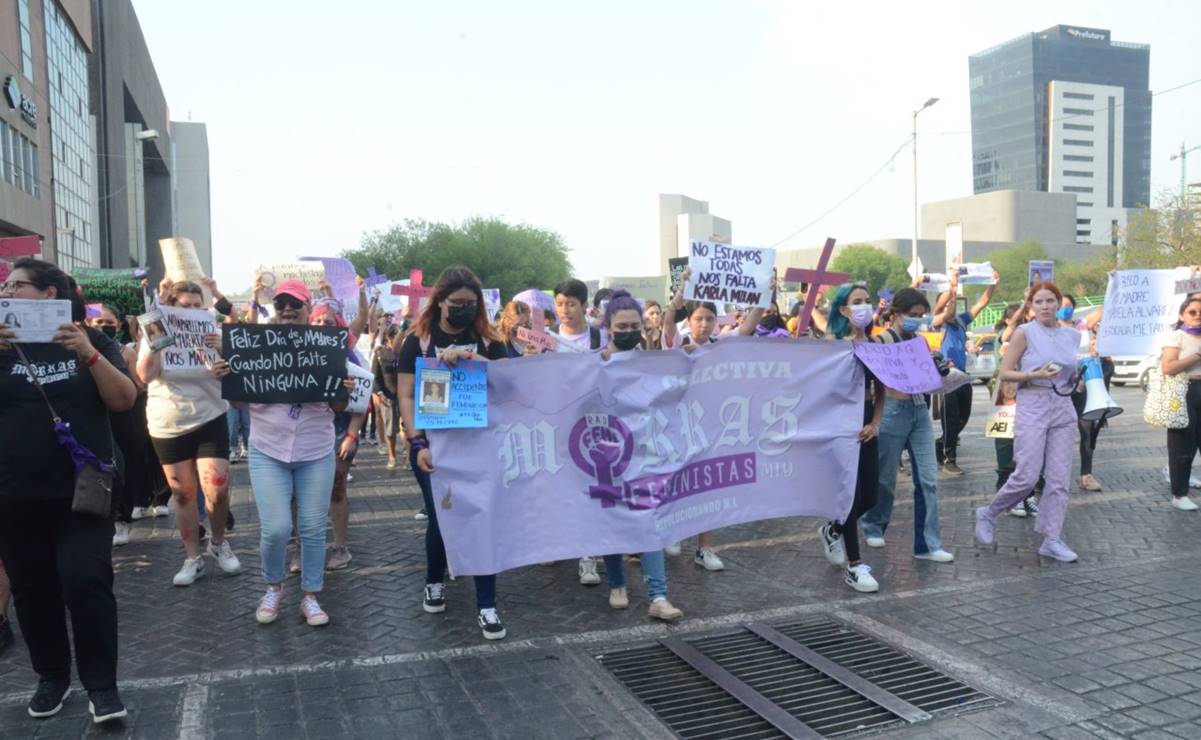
{"points": [[912, 324], [1065, 313]]}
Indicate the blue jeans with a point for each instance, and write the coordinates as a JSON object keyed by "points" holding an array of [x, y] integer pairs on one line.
{"points": [[906, 425], [275, 484], [238, 421], [654, 573]]}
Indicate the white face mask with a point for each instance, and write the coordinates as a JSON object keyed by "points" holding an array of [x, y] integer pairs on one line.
{"points": [[861, 315]]}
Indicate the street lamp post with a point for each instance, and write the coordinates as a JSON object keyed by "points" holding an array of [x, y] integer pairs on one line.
{"points": [[913, 257]]}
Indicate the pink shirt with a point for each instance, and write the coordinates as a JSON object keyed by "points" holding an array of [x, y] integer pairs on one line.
{"points": [[276, 433]]}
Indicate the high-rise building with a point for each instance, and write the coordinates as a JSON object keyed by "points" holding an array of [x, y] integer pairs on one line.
{"points": [[1065, 110], [682, 219]]}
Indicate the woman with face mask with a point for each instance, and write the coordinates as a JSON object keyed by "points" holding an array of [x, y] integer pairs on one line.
{"points": [[906, 425], [453, 326], [623, 323], [851, 317], [1041, 359]]}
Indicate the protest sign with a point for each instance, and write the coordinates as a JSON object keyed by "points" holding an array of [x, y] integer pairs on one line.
{"points": [[181, 263], [340, 275], [281, 363], [725, 274], [492, 303], [274, 273], [1039, 270], [451, 397], [537, 299], [361, 395], [154, 328], [647, 449], [676, 267], [976, 273], [1140, 308], [902, 366], [1190, 285], [20, 246], [543, 340], [34, 321], [188, 356], [1000, 424], [648, 288], [954, 245], [120, 289]]}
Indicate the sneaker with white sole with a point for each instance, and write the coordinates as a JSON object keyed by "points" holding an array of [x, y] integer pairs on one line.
{"points": [[139, 512], [192, 569], [1054, 548], [339, 557], [1031, 505], [106, 706], [1193, 481], [937, 556], [1019, 511], [312, 611], [268, 608], [672, 550], [160, 511], [434, 601], [120, 534], [832, 545], [421, 515], [873, 541], [618, 598], [588, 574], [1184, 503], [48, 698], [859, 577], [708, 559], [491, 626], [224, 555], [661, 608]]}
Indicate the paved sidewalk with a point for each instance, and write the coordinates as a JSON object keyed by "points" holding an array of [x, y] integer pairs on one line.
{"points": [[1107, 647]]}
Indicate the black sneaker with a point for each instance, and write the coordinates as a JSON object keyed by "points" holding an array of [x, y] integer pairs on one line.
{"points": [[1031, 506], [6, 635], [49, 697], [105, 705], [490, 624], [435, 598]]}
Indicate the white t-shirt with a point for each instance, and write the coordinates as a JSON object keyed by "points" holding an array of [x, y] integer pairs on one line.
{"points": [[581, 342], [1188, 345], [176, 406]]}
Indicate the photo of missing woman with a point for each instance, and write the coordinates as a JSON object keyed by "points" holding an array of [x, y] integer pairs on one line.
{"points": [[155, 330], [433, 397]]}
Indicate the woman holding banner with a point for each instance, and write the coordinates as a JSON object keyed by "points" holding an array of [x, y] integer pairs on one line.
{"points": [[186, 417], [851, 315], [906, 425], [453, 326], [1041, 358], [1182, 354]]}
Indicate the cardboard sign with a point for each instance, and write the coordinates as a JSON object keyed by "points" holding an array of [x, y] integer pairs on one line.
{"points": [[283, 363], [154, 329], [1140, 310], [181, 263], [274, 273], [725, 274], [545, 341], [361, 395], [676, 267], [976, 273], [451, 397], [188, 356], [902, 366], [340, 275], [1040, 270], [34, 321]]}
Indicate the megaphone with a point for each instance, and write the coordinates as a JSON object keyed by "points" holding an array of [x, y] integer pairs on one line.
{"points": [[1098, 405]]}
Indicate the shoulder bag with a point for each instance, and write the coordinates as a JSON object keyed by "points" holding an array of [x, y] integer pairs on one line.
{"points": [[1165, 405]]}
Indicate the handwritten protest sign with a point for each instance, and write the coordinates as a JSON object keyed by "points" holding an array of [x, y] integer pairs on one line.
{"points": [[340, 275], [1140, 309], [188, 357], [543, 340], [1039, 270], [361, 395], [309, 273], [1190, 285], [725, 274], [120, 289], [902, 366], [34, 321], [273, 363], [451, 397], [181, 263]]}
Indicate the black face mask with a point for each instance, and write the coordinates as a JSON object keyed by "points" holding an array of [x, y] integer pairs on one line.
{"points": [[460, 317], [109, 331], [627, 340]]}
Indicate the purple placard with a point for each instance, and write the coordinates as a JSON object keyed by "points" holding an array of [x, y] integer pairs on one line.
{"points": [[340, 275], [586, 457], [902, 366]]}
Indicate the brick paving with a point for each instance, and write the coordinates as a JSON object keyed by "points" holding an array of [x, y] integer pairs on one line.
{"points": [[1108, 647]]}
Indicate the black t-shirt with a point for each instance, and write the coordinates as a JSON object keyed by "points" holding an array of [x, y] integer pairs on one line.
{"points": [[440, 341], [33, 465]]}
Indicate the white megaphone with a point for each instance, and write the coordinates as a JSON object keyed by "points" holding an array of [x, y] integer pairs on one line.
{"points": [[1098, 405]]}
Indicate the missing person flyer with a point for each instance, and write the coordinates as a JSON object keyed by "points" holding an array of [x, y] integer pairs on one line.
{"points": [[451, 397], [34, 321], [154, 329]]}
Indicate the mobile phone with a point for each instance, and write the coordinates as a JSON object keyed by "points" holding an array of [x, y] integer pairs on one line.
{"points": [[1053, 367]]}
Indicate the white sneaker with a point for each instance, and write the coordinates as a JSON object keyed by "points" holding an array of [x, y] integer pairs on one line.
{"points": [[161, 511], [139, 512], [708, 559], [224, 555], [859, 577], [1193, 482], [832, 545], [192, 569], [1184, 503], [938, 556], [350, 477], [1019, 511], [672, 550], [874, 541], [120, 534], [588, 574]]}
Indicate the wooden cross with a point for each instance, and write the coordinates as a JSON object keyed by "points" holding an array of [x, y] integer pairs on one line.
{"points": [[414, 290], [374, 278], [816, 279]]}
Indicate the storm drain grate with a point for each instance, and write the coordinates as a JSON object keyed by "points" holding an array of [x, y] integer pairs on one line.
{"points": [[808, 679]]}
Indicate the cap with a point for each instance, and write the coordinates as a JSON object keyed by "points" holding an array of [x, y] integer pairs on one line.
{"points": [[294, 288]]}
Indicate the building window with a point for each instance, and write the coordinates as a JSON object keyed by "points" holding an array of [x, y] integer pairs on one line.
{"points": [[1077, 127], [1077, 96], [1076, 173], [1083, 221], [1077, 158], [25, 38], [1077, 112], [1076, 189], [1077, 142], [1082, 204], [1084, 233]]}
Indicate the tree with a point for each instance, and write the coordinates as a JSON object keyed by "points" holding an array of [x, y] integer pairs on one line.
{"points": [[511, 257], [1163, 237], [873, 266]]}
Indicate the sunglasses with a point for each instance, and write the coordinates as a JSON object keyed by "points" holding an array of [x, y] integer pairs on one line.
{"points": [[286, 301]]}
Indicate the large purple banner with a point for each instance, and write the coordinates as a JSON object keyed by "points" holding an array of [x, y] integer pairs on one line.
{"points": [[586, 457]]}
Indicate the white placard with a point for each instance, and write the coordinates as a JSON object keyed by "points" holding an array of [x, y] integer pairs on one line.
{"points": [[361, 395], [1140, 310], [272, 274], [954, 244], [976, 273], [34, 321], [181, 263], [725, 274], [188, 357]]}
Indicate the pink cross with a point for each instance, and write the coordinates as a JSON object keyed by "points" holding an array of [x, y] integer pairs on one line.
{"points": [[815, 279], [414, 290], [536, 334]]}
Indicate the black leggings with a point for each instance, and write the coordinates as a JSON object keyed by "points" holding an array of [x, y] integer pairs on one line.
{"points": [[867, 489], [1184, 443]]}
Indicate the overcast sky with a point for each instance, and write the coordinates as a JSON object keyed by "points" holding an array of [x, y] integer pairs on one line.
{"points": [[327, 120]]}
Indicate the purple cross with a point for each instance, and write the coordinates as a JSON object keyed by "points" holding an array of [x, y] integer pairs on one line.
{"points": [[816, 279], [374, 278]]}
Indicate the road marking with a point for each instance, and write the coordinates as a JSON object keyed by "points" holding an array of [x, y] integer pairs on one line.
{"points": [[193, 719]]}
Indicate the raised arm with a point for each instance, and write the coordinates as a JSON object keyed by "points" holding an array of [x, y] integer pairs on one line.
{"points": [[670, 333], [986, 296], [360, 319]]}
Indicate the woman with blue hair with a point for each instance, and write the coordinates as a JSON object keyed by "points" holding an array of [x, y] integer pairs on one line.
{"points": [[850, 317]]}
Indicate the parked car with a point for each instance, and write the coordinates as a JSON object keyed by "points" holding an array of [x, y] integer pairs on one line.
{"points": [[981, 357], [1133, 369]]}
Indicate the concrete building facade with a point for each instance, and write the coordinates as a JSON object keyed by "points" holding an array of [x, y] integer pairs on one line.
{"points": [[1004, 216], [682, 219], [191, 205]]}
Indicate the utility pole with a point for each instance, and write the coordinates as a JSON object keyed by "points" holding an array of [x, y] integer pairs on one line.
{"points": [[913, 250], [1183, 157]]}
